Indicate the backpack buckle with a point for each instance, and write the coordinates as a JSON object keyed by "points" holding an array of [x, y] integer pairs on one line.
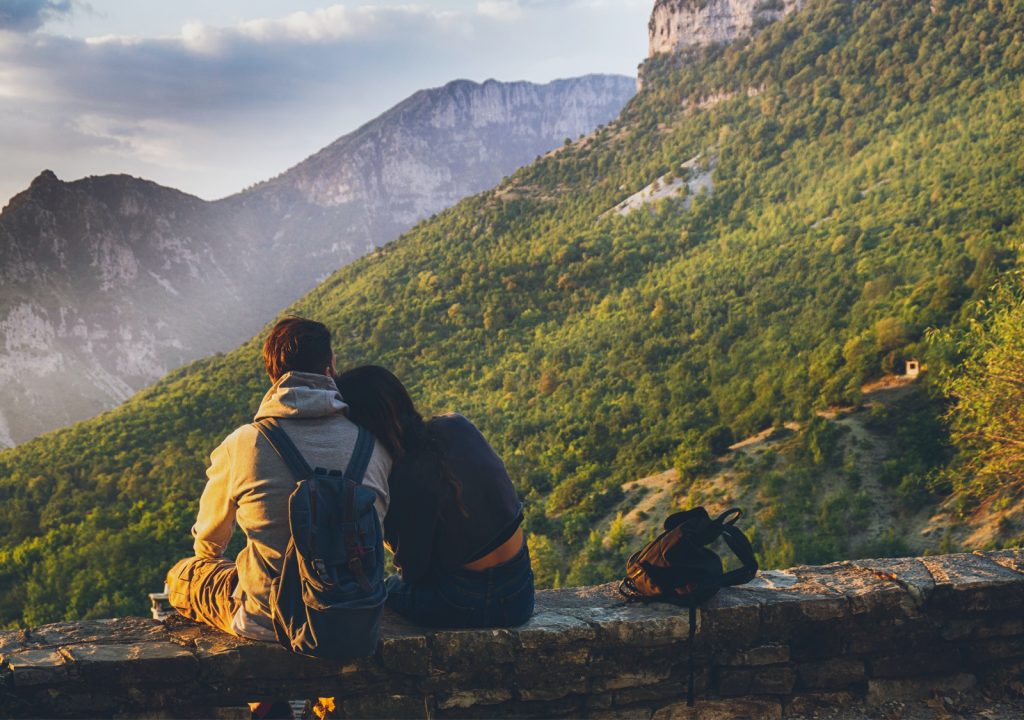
{"points": [[321, 569]]}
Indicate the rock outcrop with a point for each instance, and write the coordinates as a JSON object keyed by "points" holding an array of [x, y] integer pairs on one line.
{"points": [[678, 25], [107, 283]]}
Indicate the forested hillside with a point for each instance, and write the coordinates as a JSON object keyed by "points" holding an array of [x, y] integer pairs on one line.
{"points": [[866, 185]]}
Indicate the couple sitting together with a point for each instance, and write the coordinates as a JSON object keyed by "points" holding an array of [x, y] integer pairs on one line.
{"points": [[447, 506]]}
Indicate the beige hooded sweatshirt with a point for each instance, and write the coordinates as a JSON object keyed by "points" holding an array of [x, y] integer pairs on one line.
{"points": [[249, 484]]}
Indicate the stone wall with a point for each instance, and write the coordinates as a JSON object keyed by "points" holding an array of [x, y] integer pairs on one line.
{"points": [[863, 631]]}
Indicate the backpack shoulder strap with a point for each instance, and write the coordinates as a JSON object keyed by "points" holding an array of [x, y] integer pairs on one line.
{"points": [[740, 546], [361, 455], [271, 429]]}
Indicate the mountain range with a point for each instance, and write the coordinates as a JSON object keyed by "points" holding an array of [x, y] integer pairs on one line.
{"points": [[109, 282], [773, 224]]}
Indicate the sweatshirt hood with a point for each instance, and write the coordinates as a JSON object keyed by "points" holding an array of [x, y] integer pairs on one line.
{"points": [[299, 395]]}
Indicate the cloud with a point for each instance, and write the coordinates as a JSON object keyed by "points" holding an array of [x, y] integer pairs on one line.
{"points": [[28, 15], [213, 108], [500, 9]]}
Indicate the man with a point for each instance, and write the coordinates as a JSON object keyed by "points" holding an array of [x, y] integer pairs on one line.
{"points": [[249, 484]]}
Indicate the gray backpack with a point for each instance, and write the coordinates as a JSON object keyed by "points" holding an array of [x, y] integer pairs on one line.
{"points": [[328, 601]]}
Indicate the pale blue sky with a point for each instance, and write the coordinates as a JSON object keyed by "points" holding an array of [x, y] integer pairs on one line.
{"points": [[211, 96]]}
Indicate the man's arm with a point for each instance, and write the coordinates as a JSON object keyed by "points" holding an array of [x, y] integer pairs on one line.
{"points": [[217, 507], [376, 477]]}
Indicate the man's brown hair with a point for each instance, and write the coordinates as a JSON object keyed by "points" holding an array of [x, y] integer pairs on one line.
{"points": [[296, 344]]}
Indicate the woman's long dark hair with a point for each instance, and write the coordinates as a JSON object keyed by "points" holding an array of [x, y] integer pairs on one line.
{"points": [[379, 402]]}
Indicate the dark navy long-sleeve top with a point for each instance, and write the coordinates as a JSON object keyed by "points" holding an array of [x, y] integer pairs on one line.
{"points": [[424, 527]]}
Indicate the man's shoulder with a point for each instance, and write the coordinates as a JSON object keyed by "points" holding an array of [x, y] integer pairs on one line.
{"points": [[240, 438]]}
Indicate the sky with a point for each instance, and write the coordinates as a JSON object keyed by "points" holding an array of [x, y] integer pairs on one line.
{"points": [[211, 96]]}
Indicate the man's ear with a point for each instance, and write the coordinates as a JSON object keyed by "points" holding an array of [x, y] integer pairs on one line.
{"points": [[331, 370]]}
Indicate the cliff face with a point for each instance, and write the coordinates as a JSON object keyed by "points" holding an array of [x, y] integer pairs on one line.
{"points": [[440, 145], [107, 283], [677, 25]]}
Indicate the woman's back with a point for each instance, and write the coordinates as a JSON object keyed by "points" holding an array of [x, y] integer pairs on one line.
{"points": [[454, 517], [435, 528]]}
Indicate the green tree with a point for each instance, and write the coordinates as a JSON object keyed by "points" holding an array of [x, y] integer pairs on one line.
{"points": [[987, 389]]}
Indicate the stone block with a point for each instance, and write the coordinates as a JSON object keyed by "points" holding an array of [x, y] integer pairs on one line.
{"points": [[463, 649], [661, 692], [773, 680], [553, 692], [929, 662], [730, 619], [633, 678], [542, 663], [761, 655], [817, 704], [817, 641], [784, 611], [544, 672], [408, 654], [1006, 627], [910, 574], [388, 706], [549, 630], [640, 625], [483, 676], [612, 660], [834, 674], [985, 651], [672, 689], [907, 636], [765, 680], [881, 691], [866, 591], [953, 630], [974, 583], [158, 663], [732, 682], [71, 701], [1000, 675], [552, 685], [36, 667], [1012, 559], [12, 641], [130, 630], [745, 709]]}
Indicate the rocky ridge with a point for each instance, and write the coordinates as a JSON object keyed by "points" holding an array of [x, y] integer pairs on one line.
{"points": [[107, 283]]}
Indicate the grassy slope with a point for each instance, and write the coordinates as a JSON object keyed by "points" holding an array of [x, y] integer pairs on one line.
{"points": [[869, 191]]}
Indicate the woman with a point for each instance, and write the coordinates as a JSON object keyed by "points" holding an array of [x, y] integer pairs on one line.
{"points": [[454, 519]]}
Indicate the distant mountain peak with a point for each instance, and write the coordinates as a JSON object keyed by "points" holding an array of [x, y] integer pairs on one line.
{"points": [[46, 177]]}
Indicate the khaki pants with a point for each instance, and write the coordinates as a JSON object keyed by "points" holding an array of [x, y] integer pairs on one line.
{"points": [[201, 589]]}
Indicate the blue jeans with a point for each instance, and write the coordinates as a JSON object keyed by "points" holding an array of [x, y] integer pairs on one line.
{"points": [[500, 596]]}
